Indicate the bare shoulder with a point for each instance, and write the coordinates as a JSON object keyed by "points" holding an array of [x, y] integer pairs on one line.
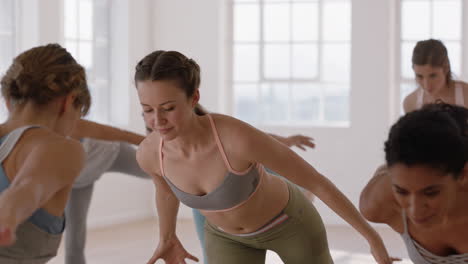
{"points": [[235, 132], [50, 141], [46, 150], [464, 86], [234, 126], [148, 154], [409, 103]]}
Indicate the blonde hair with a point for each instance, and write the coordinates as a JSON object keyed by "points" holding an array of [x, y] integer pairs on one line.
{"points": [[44, 73]]}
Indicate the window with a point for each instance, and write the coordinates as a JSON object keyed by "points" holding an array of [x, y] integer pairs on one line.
{"points": [[87, 37], [7, 33], [7, 41], [291, 61], [424, 19]]}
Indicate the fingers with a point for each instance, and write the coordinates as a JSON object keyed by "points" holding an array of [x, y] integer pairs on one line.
{"points": [[153, 259], [300, 146], [192, 257]]}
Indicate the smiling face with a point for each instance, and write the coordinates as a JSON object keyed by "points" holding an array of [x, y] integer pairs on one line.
{"points": [[426, 194], [432, 79], [166, 108]]}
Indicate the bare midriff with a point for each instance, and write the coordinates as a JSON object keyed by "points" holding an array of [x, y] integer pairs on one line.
{"points": [[270, 199]]}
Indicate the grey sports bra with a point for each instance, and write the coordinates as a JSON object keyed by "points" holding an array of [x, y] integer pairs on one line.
{"points": [[234, 191], [419, 255]]}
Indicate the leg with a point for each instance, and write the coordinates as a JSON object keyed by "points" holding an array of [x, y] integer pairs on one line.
{"points": [[200, 227], [303, 238], [126, 162], [222, 249], [76, 213]]}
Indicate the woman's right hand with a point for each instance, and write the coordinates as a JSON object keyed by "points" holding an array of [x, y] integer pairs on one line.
{"points": [[172, 252]]}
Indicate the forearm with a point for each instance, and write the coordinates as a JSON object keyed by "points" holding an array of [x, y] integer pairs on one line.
{"points": [[89, 129], [341, 205], [167, 206]]}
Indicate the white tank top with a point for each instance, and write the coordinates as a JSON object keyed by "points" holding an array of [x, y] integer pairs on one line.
{"points": [[459, 98]]}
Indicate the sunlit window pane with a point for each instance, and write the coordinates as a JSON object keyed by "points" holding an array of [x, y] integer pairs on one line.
{"points": [[101, 20], [6, 53], [415, 19], [337, 108], [305, 21], [72, 47], [336, 62], [276, 22], [454, 53], [71, 19], [305, 102], [277, 61], [86, 19], [305, 48], [246, 62], [336, 20], [86, 54], [246, 103], [305, 61], [274, 101], [447, 19], [406, 64], [246, 23]]}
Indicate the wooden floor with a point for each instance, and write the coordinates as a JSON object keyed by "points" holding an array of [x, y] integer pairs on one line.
{"points": [[134, 243]]}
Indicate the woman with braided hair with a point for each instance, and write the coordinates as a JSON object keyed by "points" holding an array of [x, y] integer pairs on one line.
{"points": [[46, 93]]}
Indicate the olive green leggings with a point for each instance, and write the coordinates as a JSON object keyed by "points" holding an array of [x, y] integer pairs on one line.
{"points": [[301, 239]]}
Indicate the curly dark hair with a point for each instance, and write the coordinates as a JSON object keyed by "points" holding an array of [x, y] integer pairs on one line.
{"points": [[435, 136]]}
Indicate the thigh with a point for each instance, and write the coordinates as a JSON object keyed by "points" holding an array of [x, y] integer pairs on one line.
{"points": [[220, 249], [303, 238]]}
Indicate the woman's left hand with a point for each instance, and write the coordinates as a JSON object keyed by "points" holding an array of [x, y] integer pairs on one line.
{"points": [[300, 141], [379, 251]]}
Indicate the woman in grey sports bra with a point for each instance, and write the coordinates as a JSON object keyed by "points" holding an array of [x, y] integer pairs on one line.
{"points": [[433, 75], [215, 163], [46, 93], [427, 176]]}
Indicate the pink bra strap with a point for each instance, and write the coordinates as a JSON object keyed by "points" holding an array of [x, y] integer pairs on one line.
{"points": [[161, 143], [220, 145]]}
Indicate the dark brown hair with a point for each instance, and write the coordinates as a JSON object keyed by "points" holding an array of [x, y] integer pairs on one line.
{"points": [[44, 73], [171, 66], [434, 53]]}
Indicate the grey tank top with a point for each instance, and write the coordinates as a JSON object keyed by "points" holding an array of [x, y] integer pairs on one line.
{"points": [[34, 245], [419, 255], [235, 190], [459, 98]]}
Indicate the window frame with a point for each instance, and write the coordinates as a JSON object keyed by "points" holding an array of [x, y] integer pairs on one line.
{"points": [[318, 80], [102, 106]]}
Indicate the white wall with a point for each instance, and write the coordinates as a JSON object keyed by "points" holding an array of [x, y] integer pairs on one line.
{"points": [[348, 156]]}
